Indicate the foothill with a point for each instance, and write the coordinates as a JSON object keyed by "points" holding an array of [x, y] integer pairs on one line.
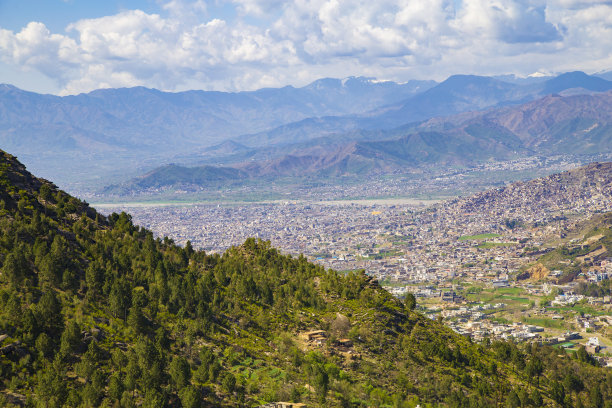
{"points": [[472, 262]]}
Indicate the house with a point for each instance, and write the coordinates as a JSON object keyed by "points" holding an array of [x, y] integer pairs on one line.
{"points": [[448, 296], [501, 283], [592, 349], [311, 335], [346, 343], [593, 341], [316, 337]]}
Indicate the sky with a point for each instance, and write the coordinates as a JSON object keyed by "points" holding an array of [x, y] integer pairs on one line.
{"points": [[72, 46]]}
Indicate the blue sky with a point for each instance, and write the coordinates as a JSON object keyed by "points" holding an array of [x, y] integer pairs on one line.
{"points": [[57, 14], [73, 46]]}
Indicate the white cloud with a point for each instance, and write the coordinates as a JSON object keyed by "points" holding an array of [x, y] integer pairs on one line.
{"points": [[578, 4], [273, 43], [100, 76], [508, 21], [34, 47], [182, 7], [258, 8]]}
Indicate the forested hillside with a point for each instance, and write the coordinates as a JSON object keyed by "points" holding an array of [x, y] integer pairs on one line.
{"points": [[95, 311]]}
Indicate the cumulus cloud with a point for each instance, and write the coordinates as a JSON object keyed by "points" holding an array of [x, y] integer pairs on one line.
{"points": [[273, 42], [508, 21], [34, 47]]}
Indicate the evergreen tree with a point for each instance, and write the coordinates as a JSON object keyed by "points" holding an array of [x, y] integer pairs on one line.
{"points": [[190, 397], [136, 320], [15, 268], [71, 339], [119, 298], [49, 309], [557, 392], [596, 397], [512, 400], [410, 301], [180, 372]]}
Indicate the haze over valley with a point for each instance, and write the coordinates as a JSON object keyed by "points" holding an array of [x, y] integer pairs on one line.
{"points": [[138, 141]]}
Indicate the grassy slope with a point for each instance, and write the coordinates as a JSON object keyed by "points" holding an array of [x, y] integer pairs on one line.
{"points": [[565, 256]]}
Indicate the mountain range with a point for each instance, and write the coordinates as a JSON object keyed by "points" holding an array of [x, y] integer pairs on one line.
{"points": [[552, 125], [133, 124], [95, 311], [330, 127], [459, 93]]}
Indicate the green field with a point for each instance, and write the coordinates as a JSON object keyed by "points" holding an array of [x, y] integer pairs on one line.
{"points": [[544, 322], [578, 308], [515, 299], [510, 291], [479, 236], [495, 244], [506, 295]]}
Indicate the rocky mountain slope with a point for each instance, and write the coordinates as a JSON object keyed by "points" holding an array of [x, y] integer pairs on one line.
{"points": [[552, 125], [581, 252], [574, 125], [455, 95], [588, 187]]}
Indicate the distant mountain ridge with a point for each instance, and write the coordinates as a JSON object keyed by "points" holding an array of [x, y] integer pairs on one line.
{"points": [[579, 124], [150, 119], [109, 135], [553, 124], [576, 79], [455, 95], [115, 131]]}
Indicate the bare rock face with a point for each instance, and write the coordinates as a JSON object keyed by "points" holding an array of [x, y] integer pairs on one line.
{"points": [[538, 272]]}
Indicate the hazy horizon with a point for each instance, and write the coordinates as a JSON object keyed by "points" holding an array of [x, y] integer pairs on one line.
{"points": [[73, 46]]}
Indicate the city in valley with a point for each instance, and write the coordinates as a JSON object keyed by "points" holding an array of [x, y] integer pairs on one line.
{"points": [[473, 262], [306, 204]]}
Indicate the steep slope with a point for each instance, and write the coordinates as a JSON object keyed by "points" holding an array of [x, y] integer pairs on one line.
{"points": [[585, 245], [573, 124], [459, 93], [177, 176], [331, 157], [555, 193], [153, 119], [67, 137], [577, 124], [95, 311], [576, 79], [347, 159]]}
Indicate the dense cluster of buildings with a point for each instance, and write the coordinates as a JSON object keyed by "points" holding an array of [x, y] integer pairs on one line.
{"points": [[393, 242], [481, 240]]}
